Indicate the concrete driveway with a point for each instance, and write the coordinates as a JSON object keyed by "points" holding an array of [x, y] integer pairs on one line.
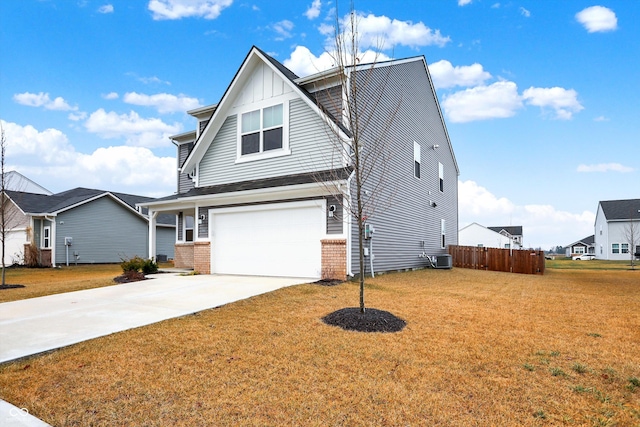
{"points": [[36, 325]]}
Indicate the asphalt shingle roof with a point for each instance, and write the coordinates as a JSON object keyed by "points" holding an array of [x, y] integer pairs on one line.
{"points": [[47, 204], [621, 209], [514, 230]]}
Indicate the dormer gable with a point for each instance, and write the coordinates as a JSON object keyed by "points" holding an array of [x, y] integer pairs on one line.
{"points": [[259, 85]]}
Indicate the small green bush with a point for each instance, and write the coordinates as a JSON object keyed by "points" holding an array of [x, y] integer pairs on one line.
{"points": [[145, 266]]}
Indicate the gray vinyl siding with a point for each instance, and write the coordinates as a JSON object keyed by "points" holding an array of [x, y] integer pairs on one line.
{"points": [[409, 220], [165, 241], [334, 224], [331, 100], [103, 231], [310, 150], [184, 182]]}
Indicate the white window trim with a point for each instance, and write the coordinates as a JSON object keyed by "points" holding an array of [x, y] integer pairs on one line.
{"points": [[443, 234], [284, 151], [441, 177], [46, 236]]}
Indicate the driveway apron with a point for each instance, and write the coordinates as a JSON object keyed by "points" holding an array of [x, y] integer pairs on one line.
{"points": [[37, 325]]}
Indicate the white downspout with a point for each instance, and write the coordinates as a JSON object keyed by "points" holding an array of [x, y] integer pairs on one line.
{"points": [[349, 225]]}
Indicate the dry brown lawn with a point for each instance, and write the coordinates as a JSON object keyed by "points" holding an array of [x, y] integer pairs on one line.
{"points": [[47, 281], [479, 349]]}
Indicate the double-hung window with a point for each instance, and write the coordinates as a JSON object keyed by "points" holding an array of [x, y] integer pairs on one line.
{"points": [[416, 159], [441, 176], [624, 248], [46, 238], [615, 248], [262, 130]]}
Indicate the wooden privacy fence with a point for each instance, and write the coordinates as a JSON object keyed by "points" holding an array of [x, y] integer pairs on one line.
{"points": [[494, 259]]}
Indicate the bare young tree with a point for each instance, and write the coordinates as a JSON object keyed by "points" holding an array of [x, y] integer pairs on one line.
{"points": [[9, 214], [632, 236], [354, 93]]}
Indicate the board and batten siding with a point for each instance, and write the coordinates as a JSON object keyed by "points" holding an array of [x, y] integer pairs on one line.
{"points": [[409, 225], [311, 150], [103, 231]]}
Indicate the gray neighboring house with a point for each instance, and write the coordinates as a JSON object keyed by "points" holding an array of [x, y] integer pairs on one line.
{"points": [[614, 220], [582, 246], [84, 225], [259, 194]]}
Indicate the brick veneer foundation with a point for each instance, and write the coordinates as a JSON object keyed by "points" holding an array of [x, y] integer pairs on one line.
{"points": [[202, 257], [183, 257], [334, 259]]}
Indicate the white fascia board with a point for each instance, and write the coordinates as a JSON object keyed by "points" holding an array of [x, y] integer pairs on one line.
{"points": [[250, 196], [220, 114], [183, 137], [207, 109]]}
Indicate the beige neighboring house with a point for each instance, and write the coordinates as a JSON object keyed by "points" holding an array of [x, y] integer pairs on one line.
{"points": [[17, 223]]}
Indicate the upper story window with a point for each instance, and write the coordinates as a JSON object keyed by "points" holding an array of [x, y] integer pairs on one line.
{"points": [[262, 130], [416, 159], [441, 175]]}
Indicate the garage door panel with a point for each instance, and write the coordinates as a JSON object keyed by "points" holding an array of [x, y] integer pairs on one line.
{"points": [[279, 240]]}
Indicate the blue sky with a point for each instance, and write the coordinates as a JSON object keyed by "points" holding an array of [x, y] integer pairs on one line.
{"points": [[541, 98]]}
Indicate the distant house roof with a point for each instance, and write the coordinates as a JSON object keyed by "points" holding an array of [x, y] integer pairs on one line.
{"points": [[43, 204], [514, 230], [587, 241], [621, 209], [15, 181]]}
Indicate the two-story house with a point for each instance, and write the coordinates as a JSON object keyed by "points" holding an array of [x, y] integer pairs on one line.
{"points": [[617, 229], [262, 189]]}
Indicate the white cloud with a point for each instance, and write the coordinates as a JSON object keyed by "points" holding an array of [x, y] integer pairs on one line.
{"points": [[77, 116], [564, 102], [283, 28], [137, 131], [107, 8], [464, 2], [605, 167], [111, 95], [48, 157], [163, 102], [178, 9], [383, 32], [42, 100], [445, 75], [314, 10], [524, 12], [498, 100], [543, 225], [304, 63], [597, 19]]}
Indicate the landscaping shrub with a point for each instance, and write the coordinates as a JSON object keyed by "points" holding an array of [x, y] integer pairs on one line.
{"points": [[145, 266]]}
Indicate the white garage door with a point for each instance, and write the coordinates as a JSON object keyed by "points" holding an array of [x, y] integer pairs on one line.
{"points": [[268, 240]]}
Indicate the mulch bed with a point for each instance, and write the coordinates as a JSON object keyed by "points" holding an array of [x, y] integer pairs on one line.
{"points": [[11, 287], [129, 276], [328, 282], [372, 320]]}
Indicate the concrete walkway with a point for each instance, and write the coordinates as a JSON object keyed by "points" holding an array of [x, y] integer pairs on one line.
{"points": [[42, 324]]}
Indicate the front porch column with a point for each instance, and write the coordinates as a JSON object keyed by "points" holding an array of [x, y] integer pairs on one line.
{"points": [[153, 215]]}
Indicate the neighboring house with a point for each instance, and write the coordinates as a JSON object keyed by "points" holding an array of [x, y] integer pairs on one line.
{"points": [[615, 220], [475, 234], [15, 181], [583, 246], [513, 232], [263, 197], [83, 226]]}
